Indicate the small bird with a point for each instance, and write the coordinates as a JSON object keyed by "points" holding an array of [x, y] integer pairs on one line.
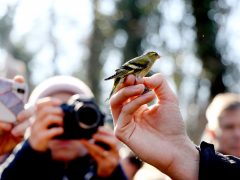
{"points": [[138, 66]]}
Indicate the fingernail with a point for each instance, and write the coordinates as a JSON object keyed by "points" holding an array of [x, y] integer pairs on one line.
{"points": [[140, 86]]}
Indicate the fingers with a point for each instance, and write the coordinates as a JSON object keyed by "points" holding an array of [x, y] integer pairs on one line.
{"points": [[53, 132], [108, 140], [95, 151], [131, 80], [48, 102], [118, 99], [5, 126], [19, 130], [41, 132], [130, 108], [24, 121], [103, 140], [19, 79], [48, 111], [161, 87], [49, 119], [104, 130], [47, 124], [26, 114]]}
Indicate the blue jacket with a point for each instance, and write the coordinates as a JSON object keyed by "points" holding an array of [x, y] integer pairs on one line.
{"points": [[29, 164]]}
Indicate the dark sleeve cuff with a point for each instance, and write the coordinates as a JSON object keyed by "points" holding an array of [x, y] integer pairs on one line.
{"points": [[28, 154], [118, 174], [24, 161], [214, 165]]}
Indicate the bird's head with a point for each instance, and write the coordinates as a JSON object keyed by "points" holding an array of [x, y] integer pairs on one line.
{"points": [[153, 55]]}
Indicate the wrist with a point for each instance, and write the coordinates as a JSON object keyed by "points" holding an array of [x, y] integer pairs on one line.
{"points": [[186, 161]]}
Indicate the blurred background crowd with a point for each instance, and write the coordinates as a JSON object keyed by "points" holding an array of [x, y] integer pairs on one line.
{"points": [[198, 42]]}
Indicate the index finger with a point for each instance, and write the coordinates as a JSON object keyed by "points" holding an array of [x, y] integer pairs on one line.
{"points": [[158, 83], [47, 101], [5, 126], [118, 99], [26, 114], [130, 80]]}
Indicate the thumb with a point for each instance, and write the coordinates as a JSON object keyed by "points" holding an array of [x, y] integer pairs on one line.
{"points": [[19, 79]]}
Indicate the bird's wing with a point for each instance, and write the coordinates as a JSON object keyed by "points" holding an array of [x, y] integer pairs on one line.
{"points": [[130, 67], [136, 63], [120, 73]]}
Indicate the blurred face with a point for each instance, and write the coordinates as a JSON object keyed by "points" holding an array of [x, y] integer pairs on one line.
{"points": [[65, 150], [229, 137]]}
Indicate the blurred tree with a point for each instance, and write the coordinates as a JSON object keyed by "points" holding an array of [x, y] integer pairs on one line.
{"points": [[132, 17], [214, 69], [206, 29], [53, 41], [102, 30], [16, 49]]}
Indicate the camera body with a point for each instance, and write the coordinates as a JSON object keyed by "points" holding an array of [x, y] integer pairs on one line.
{"points": [[13, 96], [82, 117]]}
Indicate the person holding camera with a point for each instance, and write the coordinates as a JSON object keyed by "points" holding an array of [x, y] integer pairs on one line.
{"points": [[11, 133], [67, 139], [156, 132]]}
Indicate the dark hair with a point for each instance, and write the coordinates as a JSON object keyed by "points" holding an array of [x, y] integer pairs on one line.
{"points": [[133, 159]]}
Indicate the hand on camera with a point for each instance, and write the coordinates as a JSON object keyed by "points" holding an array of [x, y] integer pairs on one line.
{"points": [[107, 159], [47, 113]]}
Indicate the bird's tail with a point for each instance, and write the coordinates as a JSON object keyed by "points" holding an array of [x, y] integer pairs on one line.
{"points": [[110, 94], [115, 85], [111, 77]]}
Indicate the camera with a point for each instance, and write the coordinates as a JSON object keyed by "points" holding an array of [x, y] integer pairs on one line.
{"points": [[82, 117], [13, 96]]}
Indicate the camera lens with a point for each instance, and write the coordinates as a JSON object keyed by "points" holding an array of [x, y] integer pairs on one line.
{"points": [[82, 117], [88, 116]]}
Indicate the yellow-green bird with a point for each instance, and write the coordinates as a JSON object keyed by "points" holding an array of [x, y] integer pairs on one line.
{"points": [[138, 66]]}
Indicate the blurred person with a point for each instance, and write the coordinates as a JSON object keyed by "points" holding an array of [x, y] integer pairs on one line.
{"points": [[12, 134], [136, 169], [223, 127], [45, 156], [156, 132], [131, 165]]}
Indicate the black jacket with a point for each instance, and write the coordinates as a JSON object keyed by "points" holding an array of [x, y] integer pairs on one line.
{"points": [[29, 164], [216, 166]]}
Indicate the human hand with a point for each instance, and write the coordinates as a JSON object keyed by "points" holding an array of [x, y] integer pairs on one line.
{"points": [[12, 134], [47, 113], [155, 133], [107, 159]]}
